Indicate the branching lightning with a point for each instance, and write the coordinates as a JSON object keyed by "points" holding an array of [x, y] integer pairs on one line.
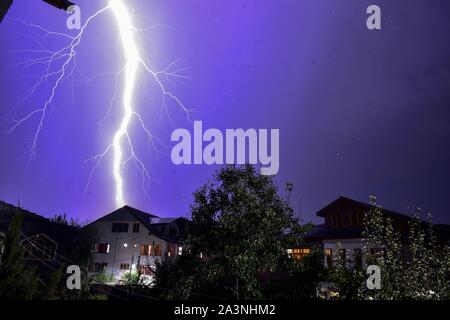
{"points": [[134, 62]]}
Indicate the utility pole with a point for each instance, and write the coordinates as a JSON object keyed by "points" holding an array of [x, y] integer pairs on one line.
{"points": [[300, 209], [289, 188]]}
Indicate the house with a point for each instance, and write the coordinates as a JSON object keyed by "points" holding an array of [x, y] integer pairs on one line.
{"points": [[132, 240], [342, 231], [44, 241]]}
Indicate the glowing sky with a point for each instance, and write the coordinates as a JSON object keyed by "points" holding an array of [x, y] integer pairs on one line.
{"points": [[359, 112]]}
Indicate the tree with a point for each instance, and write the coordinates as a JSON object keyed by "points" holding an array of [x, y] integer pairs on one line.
{"points": [[383, 247], [240, 226], [17, 281], [346, 281], [412, 267], [62, 219], [52, 290], [299, 278]]}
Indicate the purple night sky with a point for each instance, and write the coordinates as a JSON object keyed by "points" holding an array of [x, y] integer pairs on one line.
{"points": [[360, 112]]}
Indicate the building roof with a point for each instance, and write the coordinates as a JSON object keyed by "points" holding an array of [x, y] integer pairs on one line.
{"points": [[343, 200], [33, 224], [162, 220], [321, 232], [151, 221]]}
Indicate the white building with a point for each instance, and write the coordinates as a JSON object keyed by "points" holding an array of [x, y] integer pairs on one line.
{"points": [[128, 239]]}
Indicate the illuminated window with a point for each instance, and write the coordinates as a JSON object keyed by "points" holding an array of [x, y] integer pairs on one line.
{"points": [[171, 251], [102, 248], [157, 250], [329, 257], [146, 270], [298, 253], [145, 249]]}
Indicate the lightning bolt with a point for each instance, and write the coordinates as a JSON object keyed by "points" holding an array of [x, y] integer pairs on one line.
{"points": [[133, 59], [134, 62]]}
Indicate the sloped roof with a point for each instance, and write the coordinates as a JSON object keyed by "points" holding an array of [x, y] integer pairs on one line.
{"points": [[344, 200], [142, 216], [162, 220], [150, 221], [321, 232], [33, 224]]}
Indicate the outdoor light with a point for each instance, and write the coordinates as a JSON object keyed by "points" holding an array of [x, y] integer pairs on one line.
{"points": [[125, 245]]}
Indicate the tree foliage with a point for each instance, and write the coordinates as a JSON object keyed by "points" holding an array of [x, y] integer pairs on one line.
{"points": [[240, 227], [17, 281], [413, 266]]}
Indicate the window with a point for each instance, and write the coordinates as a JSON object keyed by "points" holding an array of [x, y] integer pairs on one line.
{"points": [[171, 251], [357, 257], [124, 266], [146, 270], [157, 250], [120, 227], [299, 253], [99, 267], [102, 248], [136, 228], [145, 249], [329, 257]]}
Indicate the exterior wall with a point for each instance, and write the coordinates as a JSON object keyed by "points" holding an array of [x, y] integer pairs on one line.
{"points": [[125, 248], [344, 217], [348, 244]]}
